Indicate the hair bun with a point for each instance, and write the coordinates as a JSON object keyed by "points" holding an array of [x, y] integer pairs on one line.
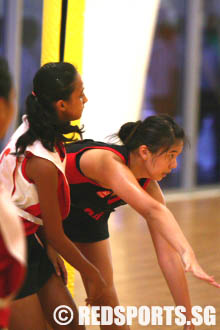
{"points": [[128, 130]]}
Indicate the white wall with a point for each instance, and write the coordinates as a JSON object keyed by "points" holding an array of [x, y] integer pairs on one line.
{"points": [[117, 43]]}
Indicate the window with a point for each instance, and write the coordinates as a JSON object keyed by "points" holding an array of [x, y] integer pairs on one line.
{"points": [[164, 78], [31, 48]]}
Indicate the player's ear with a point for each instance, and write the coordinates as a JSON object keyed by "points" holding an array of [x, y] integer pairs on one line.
{"points": [[60, 105], [143, 151]]}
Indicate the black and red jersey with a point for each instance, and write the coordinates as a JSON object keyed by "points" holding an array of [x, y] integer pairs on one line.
{"points": [[89, 199]]}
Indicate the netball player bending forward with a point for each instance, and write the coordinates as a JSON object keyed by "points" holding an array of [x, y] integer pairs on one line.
{"points": [[103, 177]]}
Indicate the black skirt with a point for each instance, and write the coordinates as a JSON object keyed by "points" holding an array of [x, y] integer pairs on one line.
{"points": [[39, 268], [81, 228]]}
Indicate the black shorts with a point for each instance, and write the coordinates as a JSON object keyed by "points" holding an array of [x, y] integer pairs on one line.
{"points": [[83, 229], [39, 268]]}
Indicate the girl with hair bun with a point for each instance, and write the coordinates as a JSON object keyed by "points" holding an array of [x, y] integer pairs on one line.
{"points": [[33, 169], [104, 176]]}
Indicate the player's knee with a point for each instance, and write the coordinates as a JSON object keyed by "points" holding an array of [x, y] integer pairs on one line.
{"points": [[109, 297]]}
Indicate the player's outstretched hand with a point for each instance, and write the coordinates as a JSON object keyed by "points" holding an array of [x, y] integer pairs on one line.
{"points": [[191, 265]]}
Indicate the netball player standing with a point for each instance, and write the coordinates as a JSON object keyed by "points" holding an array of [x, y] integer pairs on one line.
{"points": [[33, 167]]}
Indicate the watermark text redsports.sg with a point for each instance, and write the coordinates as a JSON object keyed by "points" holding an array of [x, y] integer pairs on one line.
{"points": [[146, 316]]}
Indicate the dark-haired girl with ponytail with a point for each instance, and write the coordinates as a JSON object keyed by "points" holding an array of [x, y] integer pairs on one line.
{"points": [[33, 169], [104, 176]]}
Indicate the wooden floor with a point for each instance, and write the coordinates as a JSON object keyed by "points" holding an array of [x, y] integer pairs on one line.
{"points": [[137, 275]]}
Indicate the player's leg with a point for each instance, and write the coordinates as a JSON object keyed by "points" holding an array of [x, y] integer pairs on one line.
{"points": [[99, 253]]}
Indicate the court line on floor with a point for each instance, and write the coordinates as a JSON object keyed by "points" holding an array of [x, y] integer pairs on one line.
{"points": [[193, 195]]}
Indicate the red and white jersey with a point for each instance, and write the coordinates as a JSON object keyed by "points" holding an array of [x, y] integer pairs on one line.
{"points": [[12, 254], [22, 190]]}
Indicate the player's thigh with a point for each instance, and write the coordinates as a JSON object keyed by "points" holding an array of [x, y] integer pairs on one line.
{"points": [[54, 294], [26, 313], [99, 254]]}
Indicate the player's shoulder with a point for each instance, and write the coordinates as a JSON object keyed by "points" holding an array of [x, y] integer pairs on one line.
{"points": [[41, 167]]}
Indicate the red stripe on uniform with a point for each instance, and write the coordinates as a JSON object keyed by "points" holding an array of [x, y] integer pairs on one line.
{"points": [[74, 176], [146, 183]]}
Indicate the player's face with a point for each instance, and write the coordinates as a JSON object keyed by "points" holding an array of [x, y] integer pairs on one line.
{"points": [[7, 108], [72, 108], [162, 163]]}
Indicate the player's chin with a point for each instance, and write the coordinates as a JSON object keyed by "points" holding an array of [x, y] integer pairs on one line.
{"points": [[76, 116], [161, 176], [79, 114]]}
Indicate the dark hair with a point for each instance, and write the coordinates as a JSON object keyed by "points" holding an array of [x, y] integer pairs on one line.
{"points": [[5, 79], [155, 132], [52, 82]]}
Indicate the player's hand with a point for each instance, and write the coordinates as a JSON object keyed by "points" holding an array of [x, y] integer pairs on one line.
{"points": [[57, 262], [191, 265]]}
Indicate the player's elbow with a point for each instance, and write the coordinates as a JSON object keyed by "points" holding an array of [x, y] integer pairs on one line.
{"points": [[167, 256], [155, 211]]}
